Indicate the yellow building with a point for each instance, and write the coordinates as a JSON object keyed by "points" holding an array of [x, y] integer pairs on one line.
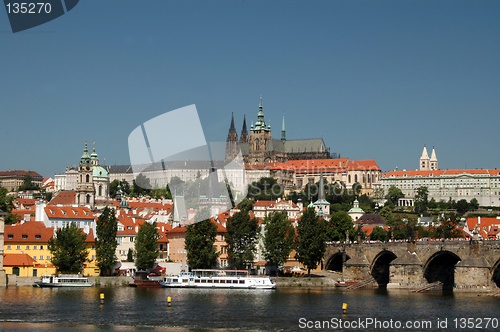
{"points": [[31, 238]]}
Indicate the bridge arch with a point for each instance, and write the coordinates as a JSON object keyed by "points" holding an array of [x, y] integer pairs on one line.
{"points": [[379, 268], [336, 262], [441, 267], [495, 273]]}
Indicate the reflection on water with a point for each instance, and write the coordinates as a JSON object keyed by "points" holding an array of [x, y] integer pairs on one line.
{"points": [[131, 309]]}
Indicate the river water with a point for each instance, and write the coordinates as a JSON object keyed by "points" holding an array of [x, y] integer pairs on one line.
{"points": [[283, 309]]}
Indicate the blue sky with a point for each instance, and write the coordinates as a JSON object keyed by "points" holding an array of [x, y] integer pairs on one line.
{"points": [[375, 79]]}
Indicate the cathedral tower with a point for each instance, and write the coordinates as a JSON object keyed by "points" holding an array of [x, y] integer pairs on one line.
{"points": [[260, 136], [232, 148], [244, 132]]}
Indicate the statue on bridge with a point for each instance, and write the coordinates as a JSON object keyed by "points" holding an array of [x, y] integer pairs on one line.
{"points": [[411, 235]]}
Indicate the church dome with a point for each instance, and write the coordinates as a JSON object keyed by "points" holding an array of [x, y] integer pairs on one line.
{"points": [[99, 172]]}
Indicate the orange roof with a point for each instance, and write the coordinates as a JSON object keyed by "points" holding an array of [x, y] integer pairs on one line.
{"points": [[66, 197], [178, 230], [362, 165], [30, 231], [18, 260], [263, 203], [129, 225], [21, 213], [27, 201], [90, 237], [69, 212], [486, 223], [327, 165]]}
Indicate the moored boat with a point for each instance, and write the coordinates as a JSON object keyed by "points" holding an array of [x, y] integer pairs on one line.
{"points": [[63, 280], [218, 279]]}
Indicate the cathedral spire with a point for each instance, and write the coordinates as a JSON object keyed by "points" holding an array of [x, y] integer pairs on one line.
{"points": [[232, 123], [433, 162], [244, 132], [261, 123], [85, 159], [283, 131], [424, 160]]}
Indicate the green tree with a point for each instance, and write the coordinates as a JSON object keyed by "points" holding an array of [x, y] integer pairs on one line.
{"points": [[241, 237], [68, 250], [462, 206], [266, 189], [394, 194], [6, 205], [421, 199], [448, 230], [130, 255], [140, 186], [379, 234], [28, 183], [199, 241], [386, 213], [146, 246], [340, 223], [106, 229], [279, 238], [432, 204], [356, 188], [473, 204], [311, 239]]}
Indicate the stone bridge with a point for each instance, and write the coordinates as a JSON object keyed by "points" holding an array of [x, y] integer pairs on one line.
{"points": [[457, 264]]}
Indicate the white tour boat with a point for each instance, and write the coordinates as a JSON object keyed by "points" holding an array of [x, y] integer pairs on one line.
{"points": [[218, 279], [63, 280]]}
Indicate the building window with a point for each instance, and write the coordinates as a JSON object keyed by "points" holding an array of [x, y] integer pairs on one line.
{"points": [[131, 239], [27, 247], [87, 177], [8, 247], [93, 257], [18, 247], [35, 247], [41, 247], [48, 257], [10, 236], [34, 257], [25, 237], [93, 247]]}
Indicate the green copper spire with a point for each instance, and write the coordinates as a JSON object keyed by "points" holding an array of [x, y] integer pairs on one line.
{"points": [[283, 132], [85, 159], [94, 154], [261, 123]]}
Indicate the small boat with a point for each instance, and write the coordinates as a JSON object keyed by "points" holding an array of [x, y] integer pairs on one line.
{"points": [[342, 283], [218, 279], [63, 280], [142, 279]]}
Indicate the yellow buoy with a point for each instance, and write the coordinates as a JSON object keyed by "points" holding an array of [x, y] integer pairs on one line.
{"points": [[344, 307], [169, 301], [102, 298]]}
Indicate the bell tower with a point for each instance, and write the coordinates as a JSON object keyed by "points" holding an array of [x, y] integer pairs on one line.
{"points": [[260, 136], [85, 193]]}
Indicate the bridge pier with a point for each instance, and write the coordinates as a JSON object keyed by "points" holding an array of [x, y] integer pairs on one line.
{"points": [[406, 270], [474, 271]]}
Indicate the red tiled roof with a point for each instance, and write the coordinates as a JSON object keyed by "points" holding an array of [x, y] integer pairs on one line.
{"points": [[90, 237], [69, 212], [28, 232], [130, 222], [66, 197], [21, 213], [26, 201], [327, 165], [18, 260], [362, 165]]}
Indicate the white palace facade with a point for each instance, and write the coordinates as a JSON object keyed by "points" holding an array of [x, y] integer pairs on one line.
{"points": [[481, 184]]}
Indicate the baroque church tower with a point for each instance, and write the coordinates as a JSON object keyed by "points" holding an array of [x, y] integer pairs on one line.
{"points": [[93, 180], [85, 188]]}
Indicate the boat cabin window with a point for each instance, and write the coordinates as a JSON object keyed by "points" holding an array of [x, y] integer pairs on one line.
{"points": [[223, 281], [216, 281], [197, 281], [241, 281], [203, 281], [210, 281], [235, 281], [175, 280], [184, 280]]}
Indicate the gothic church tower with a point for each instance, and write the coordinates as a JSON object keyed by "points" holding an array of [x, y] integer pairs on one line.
{"points": [[260, 136], [232, 148], [433, 163]]}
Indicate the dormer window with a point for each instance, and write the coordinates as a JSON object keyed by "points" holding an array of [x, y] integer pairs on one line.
{"points": [[10, 236], [86, 213], [75, 212], [130, 227], [64, 212], [38, 237], [25, 237], [52, 212]]}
